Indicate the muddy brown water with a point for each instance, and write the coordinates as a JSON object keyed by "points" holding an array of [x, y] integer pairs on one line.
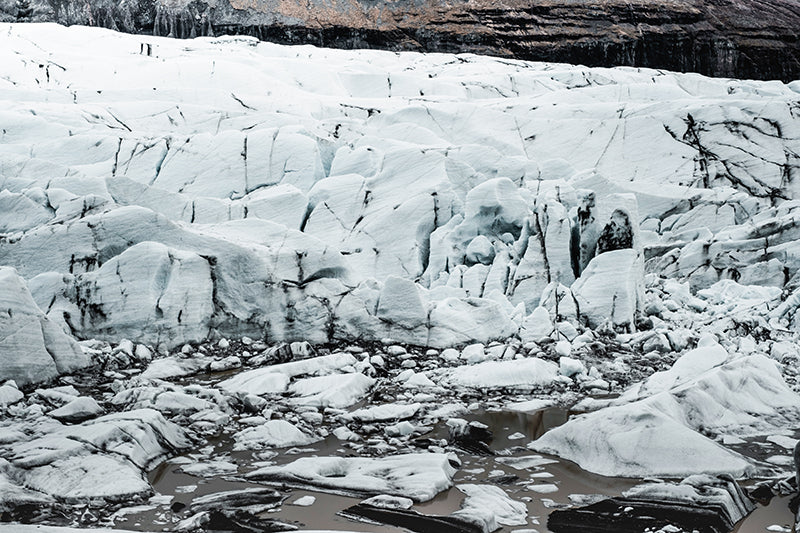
{"points": [[168, 479]]}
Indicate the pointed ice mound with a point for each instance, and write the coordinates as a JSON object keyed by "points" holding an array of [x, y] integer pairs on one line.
{"points": [[668, 434], [32, 347]]}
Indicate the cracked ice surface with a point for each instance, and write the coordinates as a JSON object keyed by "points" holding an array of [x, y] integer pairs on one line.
{"points": [[231, 186], [475, 231]]}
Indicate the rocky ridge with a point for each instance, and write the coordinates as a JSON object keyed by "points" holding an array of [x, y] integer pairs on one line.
{"points": [[713, 37]]}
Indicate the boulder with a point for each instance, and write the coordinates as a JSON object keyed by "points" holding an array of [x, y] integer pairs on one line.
{"points": [[33, 349]]}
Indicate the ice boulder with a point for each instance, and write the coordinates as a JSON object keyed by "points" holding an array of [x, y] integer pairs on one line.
{"points": [[19, 212], [536, 325], [401, 305], [148, 292], [670, 433], [489, 506], [32, 347], [607, 222], [518, 373], [495, 207], [419, 476], [610, 289], [272, 434]]}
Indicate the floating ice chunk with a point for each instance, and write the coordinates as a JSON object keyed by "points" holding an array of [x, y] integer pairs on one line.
{"points": [[275, 378], [490, 505], [389, 411], [210, 468], [304, 501], [783, 441], [522, 373], [272, 434], [384, 501], [529, 406], [543, 488], [336, 390], [419, 477], [659, 435], [89, 476], [525, 462]]}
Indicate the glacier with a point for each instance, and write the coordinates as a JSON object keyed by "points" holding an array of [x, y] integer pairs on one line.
{"points": [[297, 247]]}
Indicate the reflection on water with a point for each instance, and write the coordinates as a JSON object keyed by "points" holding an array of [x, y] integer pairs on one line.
{"points": [[542, 487]]}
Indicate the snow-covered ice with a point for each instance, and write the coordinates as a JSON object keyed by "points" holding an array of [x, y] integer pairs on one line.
{"points": [[275, 245]]}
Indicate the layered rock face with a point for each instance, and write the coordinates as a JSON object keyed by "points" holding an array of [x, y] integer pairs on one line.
{"points": [[714, 37]]}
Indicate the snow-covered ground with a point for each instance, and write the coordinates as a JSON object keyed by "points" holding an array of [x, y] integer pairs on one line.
{"points": [[288, 246]]}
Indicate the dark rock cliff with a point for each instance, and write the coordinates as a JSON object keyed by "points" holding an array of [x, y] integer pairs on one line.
{"points": [[731, 38]]}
